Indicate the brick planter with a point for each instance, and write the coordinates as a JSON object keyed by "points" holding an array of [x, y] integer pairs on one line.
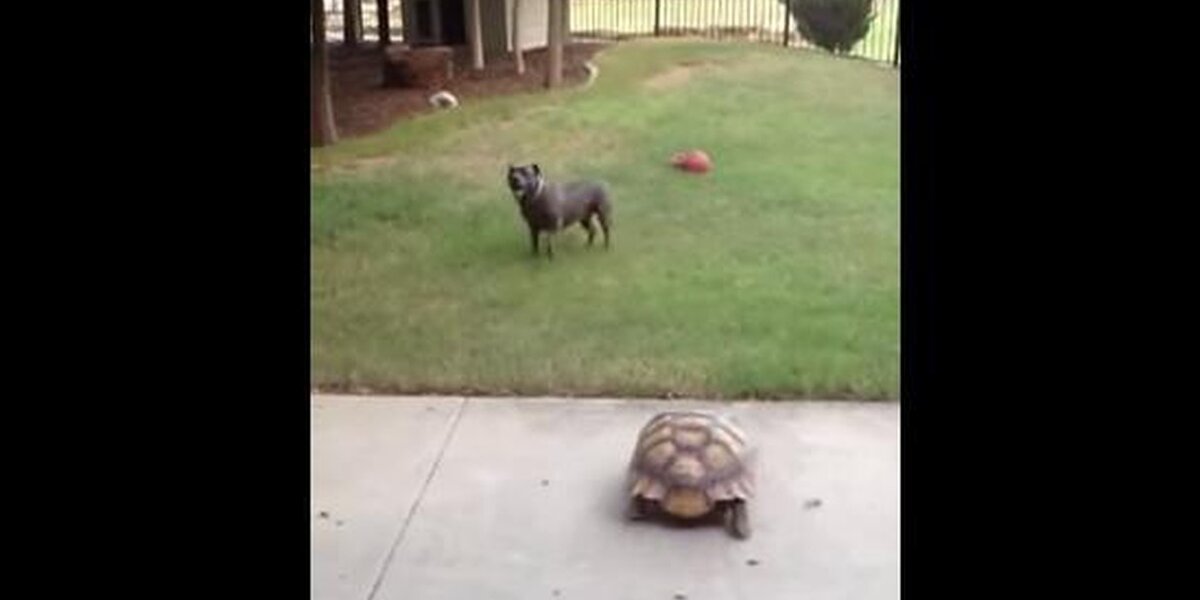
{"points": [[426, 68]]}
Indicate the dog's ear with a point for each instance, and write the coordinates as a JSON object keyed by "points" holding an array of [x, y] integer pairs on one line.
{"points": [[537, 169]]}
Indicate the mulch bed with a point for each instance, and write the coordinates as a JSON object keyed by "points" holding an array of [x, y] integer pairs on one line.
{"points": [[361, 104]]}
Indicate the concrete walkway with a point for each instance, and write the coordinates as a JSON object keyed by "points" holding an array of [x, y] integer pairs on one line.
{"points": [[422, 498]]}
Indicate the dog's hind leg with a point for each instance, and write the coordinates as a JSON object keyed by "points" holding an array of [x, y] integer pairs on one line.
{"points": [[586, 223], [603, 215]]}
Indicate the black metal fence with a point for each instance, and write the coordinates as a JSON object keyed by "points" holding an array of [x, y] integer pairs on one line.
{"points": [[767, 21]]}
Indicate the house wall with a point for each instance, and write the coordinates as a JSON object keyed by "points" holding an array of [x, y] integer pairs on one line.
{"points": [[409, 21], [495, 27], [534, 15], [496, 23]]}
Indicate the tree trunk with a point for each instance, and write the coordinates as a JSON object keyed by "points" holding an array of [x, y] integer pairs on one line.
{"points": [[383, 22], [358, 17], [351, 33], [518, 53], [566, 11], [475, 34], [323, 130], [555, 39]]}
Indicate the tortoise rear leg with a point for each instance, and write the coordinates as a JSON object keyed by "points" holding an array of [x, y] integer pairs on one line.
{"points": [[737, 519]]}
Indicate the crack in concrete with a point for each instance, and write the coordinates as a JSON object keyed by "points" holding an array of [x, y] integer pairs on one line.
{"points": [[412, 510]]}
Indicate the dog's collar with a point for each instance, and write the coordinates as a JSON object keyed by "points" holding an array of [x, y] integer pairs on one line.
{"points": [[525, 196]]}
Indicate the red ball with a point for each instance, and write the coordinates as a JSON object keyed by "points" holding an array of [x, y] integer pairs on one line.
{"points": [[695, 161]]}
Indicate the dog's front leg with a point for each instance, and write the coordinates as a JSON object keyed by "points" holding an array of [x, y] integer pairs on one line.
{"points": [[533, 238], [550, 235]]}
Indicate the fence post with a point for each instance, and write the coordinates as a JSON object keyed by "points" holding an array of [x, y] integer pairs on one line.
{"points": [[787, 16], [657, 12], [896, 47]]}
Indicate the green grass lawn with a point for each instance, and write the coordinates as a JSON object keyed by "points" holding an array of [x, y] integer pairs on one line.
{"points": [[776, 275]]}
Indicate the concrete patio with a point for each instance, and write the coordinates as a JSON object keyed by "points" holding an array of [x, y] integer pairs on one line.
{"points": [[422, 498]]}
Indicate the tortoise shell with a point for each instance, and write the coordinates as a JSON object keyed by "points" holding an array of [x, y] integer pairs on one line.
{"points": [[689, 463]]}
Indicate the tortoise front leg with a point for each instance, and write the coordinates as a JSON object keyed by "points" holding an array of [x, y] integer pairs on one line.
{"points": [[737, 519], [637, 509]]}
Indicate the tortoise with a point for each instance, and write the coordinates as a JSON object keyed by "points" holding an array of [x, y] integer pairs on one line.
{"points": [[692, 464]]}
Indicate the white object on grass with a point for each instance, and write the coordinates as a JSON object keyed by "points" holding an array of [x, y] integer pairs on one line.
{"points": [[444, 99]]}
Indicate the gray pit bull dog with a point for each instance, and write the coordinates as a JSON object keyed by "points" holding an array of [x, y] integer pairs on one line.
{"points": [[549, 207]]}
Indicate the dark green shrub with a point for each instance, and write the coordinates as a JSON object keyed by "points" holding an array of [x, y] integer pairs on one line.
{"points": [[835, 25]]}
